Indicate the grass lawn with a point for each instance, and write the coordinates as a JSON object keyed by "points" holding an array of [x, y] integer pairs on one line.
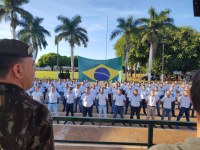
{"points": [[54, 74]]}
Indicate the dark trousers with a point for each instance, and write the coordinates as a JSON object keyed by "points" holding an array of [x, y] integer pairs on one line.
{"points": [[127, 104], [64, 104], [109, 101], [173, 108], [182, 111], [69, 108], [120, 110], [135, 110], [87, 110], [143, 106]]}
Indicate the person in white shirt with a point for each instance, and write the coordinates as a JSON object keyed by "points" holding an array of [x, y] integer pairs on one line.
{"points": [[173, 95], [156, 93], [102, 98], [167, 105], [114, 92], [135, 100], [119, 99], [53, 100], [37, 95], [128, 92], [143, 94], [77, 92], [109, 89], [184, 101], [87, 101], [151, 105], [65, 91], [69, 96], [94, 92]]}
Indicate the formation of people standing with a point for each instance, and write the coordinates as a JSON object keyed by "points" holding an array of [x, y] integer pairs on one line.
{"points": [[141, 98]]}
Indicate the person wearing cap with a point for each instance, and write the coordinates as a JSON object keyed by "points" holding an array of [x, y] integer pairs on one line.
{"points": [[24, 123], [192, 143]]}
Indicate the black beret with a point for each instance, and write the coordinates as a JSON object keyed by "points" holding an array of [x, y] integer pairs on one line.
{"points": [[12, 47]]}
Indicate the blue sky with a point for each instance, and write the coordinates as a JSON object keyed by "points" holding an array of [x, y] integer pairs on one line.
{"points": [[94, 18]]}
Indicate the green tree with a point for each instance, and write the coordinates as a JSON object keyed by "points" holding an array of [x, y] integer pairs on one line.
{"points": [[49, 59], [153, 27], [33, 33], [70, 31], [138, 51], [127, 27], [9, 9]]}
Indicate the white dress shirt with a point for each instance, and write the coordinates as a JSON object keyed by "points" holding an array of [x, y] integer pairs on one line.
{"points": [[70, 97], [151, 101], [53, 97], [87, 100]]}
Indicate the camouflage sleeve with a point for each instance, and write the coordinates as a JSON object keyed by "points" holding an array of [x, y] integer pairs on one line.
{"points": [[41, 130]]}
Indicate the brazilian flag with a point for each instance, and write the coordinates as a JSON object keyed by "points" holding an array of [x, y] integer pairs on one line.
{"points": [[101, 70]]}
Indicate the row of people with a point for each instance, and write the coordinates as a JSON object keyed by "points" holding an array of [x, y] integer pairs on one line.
{"points": [[136, 100]]}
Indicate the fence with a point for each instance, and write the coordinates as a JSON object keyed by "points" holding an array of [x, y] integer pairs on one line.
{"points": [[150, 124]]}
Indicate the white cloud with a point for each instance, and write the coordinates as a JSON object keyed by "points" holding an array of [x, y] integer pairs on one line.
{"points": [[96, 27]]}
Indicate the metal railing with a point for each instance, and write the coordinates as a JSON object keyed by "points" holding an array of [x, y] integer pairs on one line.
{"points": [[150, 124]]}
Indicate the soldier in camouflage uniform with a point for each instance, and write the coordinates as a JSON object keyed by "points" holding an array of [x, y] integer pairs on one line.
{"points": [[25, 124]]}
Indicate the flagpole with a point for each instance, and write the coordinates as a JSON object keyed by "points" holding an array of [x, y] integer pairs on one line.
{"points": [[106, 38]]}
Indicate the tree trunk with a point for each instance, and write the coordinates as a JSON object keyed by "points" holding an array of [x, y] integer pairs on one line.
{"points": [[126, 66], [12, 26], [135, 69], [72, 62], [150, 61], [126, 57]]}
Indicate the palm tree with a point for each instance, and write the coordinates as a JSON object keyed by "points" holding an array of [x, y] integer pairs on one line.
{"points": [[9, 11], [70, 31], [127, 27], [153, 27], [33, 33]]}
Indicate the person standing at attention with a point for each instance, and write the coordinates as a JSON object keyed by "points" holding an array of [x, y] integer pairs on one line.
{"points": [[102, 98], [25, 124], [69, 96], [192, 143], [119, 99], [53, 100], [151, 105], [135, 100], [167, 107], [87, 101], [37, 95]]}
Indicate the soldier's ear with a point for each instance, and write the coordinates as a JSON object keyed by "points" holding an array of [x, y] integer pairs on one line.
{"points": [[17, 70]]}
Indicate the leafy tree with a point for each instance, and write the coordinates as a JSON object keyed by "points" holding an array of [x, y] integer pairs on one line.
{"points": [[33, 33], [70, 31], [49, 59], [127, 27], [138, 51], [9, 11], [153, 28]]}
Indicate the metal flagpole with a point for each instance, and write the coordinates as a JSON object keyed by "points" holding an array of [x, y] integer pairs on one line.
{"points": [[106, 38]]}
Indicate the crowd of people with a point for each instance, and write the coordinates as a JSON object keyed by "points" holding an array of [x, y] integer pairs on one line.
{"points": [[141, 98]]}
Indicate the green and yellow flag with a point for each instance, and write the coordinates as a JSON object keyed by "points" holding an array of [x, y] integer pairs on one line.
{"points": [[101, 70]]}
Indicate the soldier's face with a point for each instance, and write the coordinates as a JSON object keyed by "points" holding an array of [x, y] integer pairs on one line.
{"points": [[28, 74]]}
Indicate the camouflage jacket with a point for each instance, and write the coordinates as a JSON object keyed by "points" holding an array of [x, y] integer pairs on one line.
{"points": [[25, 124]]}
